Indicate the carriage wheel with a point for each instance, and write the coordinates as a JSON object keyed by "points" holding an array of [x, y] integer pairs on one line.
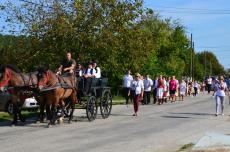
{"points": [[91, 108], [106, 104]]}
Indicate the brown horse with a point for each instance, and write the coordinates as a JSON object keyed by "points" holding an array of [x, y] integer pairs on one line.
{"points": [[22, 86], [57, 89]]}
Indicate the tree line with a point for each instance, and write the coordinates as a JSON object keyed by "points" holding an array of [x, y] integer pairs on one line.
{"points": [[120, 34]]}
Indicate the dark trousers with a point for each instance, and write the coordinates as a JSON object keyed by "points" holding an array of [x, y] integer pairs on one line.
{"points": [[195, 91], [87, 85], [127, 95], [136, 101], [209, 88], [154, 95], [146, 97], [132, 95]]}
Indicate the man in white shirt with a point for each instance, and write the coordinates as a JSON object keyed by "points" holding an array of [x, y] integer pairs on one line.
{"points": [[88, 75], [127, 80], [195, 86], [209, 84], [97, 70], [79, 70], [147, 89]]}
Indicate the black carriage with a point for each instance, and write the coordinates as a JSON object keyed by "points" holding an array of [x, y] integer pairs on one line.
{"points": [[99, 95]]}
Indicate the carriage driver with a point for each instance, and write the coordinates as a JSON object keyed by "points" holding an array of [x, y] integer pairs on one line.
{"points": [[67, 65]]}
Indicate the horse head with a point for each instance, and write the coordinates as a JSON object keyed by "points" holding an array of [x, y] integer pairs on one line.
{"points": [[5, 76], [44, 77]]}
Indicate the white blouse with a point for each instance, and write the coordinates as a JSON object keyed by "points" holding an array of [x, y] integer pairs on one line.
{"points": [[138, 85]]}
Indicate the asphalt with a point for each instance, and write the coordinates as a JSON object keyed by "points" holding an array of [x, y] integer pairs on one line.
{"points": [[163, 128]]}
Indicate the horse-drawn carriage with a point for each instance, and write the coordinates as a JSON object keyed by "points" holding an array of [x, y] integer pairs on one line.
{"points": [[98, 96], [51, 92]]}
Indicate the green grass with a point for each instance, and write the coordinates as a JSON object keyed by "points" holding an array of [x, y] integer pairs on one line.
{"points": [[117, 100], [4, 116], [186, 147]]}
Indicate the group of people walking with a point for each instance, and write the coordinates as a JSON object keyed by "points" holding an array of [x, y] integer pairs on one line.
{"points": [[138, 89]]}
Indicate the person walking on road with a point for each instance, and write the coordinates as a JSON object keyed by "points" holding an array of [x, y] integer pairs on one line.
{"points": [[220, 90], [209, 84], [195, 87], [127, 80], [173, 88], [160, 90], [183, 87], [139, 91], [147, 89], [155, 84]]}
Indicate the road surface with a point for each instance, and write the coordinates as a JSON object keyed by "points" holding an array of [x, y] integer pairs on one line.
{"points": [[162, 128]]}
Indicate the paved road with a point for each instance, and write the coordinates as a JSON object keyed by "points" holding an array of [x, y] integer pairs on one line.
{"points": [[157, 128]]}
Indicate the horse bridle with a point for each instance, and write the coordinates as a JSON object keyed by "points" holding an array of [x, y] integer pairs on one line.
{"points": [[46, 79], [8, 76]]}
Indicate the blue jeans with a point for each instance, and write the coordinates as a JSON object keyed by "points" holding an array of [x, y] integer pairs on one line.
{"points": [[219, 104]]}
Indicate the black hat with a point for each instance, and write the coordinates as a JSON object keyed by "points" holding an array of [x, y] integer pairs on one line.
{"points": [[95, 61], [90, 63]]}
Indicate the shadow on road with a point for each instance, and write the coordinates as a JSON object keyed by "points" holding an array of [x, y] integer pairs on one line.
{"points": [[123, 115], [193, 113], [174, 117], [31, 122]]}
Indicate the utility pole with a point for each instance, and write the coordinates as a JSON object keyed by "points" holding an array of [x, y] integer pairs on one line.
{"points": [[210, 67], [193, 50], [191, 58], [205, 63]]}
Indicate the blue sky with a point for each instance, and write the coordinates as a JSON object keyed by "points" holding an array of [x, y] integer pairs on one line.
{"points": [[208, 20]]}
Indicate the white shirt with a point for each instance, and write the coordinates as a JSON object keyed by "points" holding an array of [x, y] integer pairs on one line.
{"points": [[196, 85], [220, 89], [147, 84], [127, 79], [97, 72], [165, 85], [80, 73], [183, 87], [139, 86], [209, 80]]}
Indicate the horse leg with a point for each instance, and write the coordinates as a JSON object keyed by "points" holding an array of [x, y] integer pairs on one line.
{"points": [[48, 112], [15, 115], [73, 102], [60, 114], [71, 113], [53, 114], [20, 115], [42, 113]]}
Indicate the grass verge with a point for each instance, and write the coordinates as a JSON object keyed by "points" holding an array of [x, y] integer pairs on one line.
{"points": [[186, 147], [4, 116]]}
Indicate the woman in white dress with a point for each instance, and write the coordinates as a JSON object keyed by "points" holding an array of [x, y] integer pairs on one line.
{"points": [[183, 88]]}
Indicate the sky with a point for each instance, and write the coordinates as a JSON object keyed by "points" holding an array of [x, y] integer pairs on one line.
{"points": [[207, 20]]}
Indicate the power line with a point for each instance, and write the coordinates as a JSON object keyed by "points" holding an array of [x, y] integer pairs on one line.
{"points": [[195, 9], [194, 12]]}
